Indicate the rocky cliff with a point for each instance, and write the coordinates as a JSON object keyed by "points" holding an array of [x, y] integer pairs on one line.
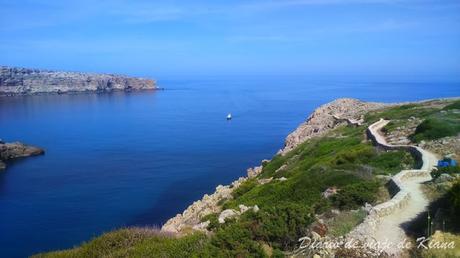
{"points": [[16, 150], [321, 121], [327, 117], [23, 81]]}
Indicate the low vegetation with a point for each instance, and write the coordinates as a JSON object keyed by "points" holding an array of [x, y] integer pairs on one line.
{"points": [[440, 119], [446, 238], [402, 112], [435, 128], [453, 105], [451, 170], [448, 207], [454, 198], [136, 242], [345, 222]]}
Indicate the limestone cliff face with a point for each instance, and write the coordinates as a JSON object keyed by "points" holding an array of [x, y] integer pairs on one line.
{"points": [[23, 81]]}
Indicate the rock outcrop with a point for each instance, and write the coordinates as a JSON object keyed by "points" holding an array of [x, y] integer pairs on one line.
{"points": [[191, 217], [23, 81], [326, 118], [16, 150]]}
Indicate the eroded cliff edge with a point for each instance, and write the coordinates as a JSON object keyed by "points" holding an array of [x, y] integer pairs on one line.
{"points": [[24, 81], [322, 120]]}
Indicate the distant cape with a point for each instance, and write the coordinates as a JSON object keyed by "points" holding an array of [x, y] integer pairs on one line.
{"points": [[24, 81]]}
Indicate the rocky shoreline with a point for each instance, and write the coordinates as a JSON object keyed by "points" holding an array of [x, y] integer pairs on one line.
{"points": [[24, 81], [16, 150], [322, 120]]}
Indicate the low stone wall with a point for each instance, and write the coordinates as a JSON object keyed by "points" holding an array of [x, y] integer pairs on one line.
{"points": [[400, 198]]}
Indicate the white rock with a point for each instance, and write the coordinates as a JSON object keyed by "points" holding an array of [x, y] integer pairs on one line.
{"points": [[203, 226], [243, 208], [228, 213], [283, 167], [255, 171], [265, 180], [315, 236]]}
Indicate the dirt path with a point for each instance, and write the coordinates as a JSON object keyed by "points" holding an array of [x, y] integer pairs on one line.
{"points": [[389, 229]]}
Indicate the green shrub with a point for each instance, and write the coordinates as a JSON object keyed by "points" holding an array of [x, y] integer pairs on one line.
{"points": [[355, 195], [136, 242], [400, 112], [345, 222], [281, 225], [213, 220], [435, 173], [244, 188], [432, 129], [454, 105], [392, 161], [233, 240], [454, 198]]}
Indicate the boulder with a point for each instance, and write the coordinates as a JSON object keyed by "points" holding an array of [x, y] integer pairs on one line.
{"points": [[255, 171], [367, 207], [243, 208], [203, 226], [226, 214], [265, 180]]}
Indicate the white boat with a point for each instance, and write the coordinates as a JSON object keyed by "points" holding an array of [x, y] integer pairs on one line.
{"points": [[229, 116]]}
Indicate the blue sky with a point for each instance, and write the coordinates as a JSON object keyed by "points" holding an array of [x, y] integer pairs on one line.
{"points": [[383, 38]]}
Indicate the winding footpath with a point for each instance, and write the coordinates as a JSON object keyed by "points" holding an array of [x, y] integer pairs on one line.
{"points": [[385, 221]]}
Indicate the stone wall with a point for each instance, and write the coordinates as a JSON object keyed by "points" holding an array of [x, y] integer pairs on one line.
{"points": [[401, 196]]}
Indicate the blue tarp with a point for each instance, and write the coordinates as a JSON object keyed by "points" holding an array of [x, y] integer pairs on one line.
{"points": [[447, 163]]}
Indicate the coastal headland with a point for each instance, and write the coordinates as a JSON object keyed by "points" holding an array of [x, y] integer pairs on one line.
{"points": [[24, 81]]}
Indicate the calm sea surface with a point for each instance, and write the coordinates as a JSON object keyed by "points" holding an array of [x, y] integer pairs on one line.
{"points": [[123, 159]]}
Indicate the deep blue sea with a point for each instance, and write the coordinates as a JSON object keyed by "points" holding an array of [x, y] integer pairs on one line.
{"points": [[120, 159]]}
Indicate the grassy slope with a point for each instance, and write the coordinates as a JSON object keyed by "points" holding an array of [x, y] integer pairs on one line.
{"points": [[438, 122], [342, 159]]}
